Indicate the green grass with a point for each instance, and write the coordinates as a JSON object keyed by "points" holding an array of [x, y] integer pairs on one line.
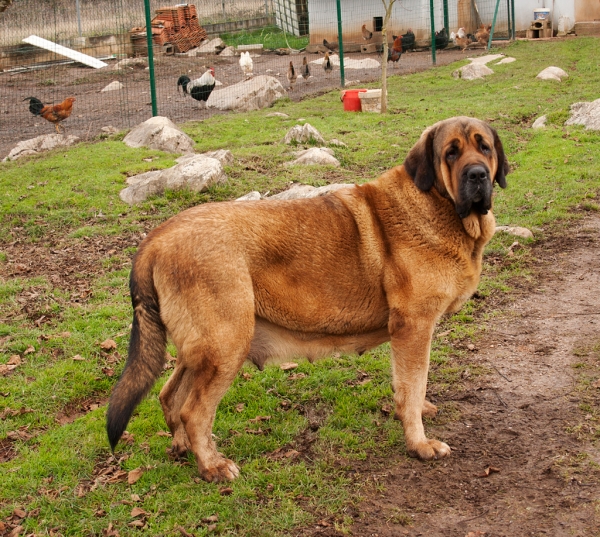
{"points": [[271, 37], [70, 198]]}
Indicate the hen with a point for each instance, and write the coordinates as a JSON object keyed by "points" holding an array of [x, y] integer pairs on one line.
{"points": [[482, 35], [331, 46], [305, 69], [462, 39], [366, 33], [408, 40], [52, 113], [246, 63], [199, 89], [291, 75], [395, 51], [441, 39], [327, 65]]}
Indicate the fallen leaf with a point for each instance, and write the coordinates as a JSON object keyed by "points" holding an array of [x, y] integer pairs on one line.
{"points": [[134, 475], [386, 409], [489, 470], [108, 371], [164, 433], [246, 376], [16, 531], [78, 358], [19, 513], [291, 454], [297, 376], [137, 524], [254, 431], [15, 360], [239, 407], [259, 419], [226, 491], [99, 513], [137, 511], [475, 534], [108, 344], [184, 533], [323, 523], [596, 384], [211, 519], [29, 350], [287, 366], [211, 527], [127, 438]]}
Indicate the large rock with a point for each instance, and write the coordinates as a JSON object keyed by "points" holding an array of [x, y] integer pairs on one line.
{"points": [[552, 73], [472, 71], [298, 190], [254, 94], [210, 47], [302, 134], [196, 173], [587, 114], [160, 133], [316, 155], [39, 144]]}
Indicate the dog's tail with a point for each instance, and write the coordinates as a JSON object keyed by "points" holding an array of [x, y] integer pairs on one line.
{"points": [[146, 354]]}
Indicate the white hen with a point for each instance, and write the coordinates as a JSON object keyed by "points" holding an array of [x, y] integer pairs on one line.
{"points": [[246, 63]]}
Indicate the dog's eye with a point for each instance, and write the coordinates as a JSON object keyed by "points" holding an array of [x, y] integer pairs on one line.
{"points": [[452, 153], [485, 149]]}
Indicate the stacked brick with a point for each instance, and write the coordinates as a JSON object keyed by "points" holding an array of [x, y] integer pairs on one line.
{"points": [[177, 26]]}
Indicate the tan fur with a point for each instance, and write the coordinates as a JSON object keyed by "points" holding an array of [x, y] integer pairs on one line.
{"points": [[272, 280]]}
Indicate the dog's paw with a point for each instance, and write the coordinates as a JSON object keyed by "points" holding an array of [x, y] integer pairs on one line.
{"points": [[429, 409], [224, 470], [429, 450]]}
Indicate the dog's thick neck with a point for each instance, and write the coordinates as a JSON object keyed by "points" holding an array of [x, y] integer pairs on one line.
{"points": [[480, 227]]}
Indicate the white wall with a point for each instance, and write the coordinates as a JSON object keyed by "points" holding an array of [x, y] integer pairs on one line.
{"points": [[524, 11]]}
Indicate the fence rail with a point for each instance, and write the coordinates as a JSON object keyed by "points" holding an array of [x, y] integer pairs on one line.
{"points": [[288, 30]]}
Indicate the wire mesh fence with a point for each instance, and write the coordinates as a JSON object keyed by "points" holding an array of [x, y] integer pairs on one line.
{"points": [[189, 38]]}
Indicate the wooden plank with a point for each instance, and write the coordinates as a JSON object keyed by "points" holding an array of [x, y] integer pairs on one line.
{"points": [[64, 51]]}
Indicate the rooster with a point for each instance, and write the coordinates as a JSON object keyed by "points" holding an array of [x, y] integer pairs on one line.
{"points": [[441, 39], [327, 65], [462, 39], [246, 63], [366, 33], [52, 113], [331, 46], [201, 88], [305, 69], [395, 51], [482, 35], [291, 75], [408, 40]]}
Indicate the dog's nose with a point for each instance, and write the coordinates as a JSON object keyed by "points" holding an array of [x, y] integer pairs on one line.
{"points": [[477, 173]]}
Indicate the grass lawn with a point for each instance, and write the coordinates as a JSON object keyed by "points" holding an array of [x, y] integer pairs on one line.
{"points": [[64, 326]]}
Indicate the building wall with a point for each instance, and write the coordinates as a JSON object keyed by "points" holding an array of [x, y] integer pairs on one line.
{"points": [[524, 11]]}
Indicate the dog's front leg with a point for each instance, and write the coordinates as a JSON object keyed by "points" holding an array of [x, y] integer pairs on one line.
{"points": [[411, 340]]}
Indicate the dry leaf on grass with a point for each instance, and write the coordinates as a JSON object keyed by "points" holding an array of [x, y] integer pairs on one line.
{"points": [[138, 511], [137, 524], [259, 419], [226, 491], [134, 475], [239, 407], [211, 519], [386, 409], [108, 345], [29, 350], [78, 358], [15, 360], [297, 376], [19, 513], [287, 366], [184, 532]]}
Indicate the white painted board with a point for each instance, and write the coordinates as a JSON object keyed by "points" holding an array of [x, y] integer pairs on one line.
{"points": [[64, 51]]}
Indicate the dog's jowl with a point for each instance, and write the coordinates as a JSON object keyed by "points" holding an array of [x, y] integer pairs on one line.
{"points": [[270, 280]]}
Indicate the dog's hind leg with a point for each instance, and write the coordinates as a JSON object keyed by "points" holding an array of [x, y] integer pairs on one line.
{"points": [[172, 397]]}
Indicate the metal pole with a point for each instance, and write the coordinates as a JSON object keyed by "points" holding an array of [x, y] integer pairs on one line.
{"points": [[493, 24], [150, 58], [508, 17], [432, 16], [78, 16], [446, 23], [514, 28], [340, 43]]}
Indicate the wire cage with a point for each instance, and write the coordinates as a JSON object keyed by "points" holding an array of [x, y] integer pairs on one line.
{"points": [[188, 39]]}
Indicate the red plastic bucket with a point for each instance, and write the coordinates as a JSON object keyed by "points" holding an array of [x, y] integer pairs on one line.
{"points": [[351, 100]]}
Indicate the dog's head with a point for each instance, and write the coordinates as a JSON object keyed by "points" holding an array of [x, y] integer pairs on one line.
{"points": [[462, 157]]}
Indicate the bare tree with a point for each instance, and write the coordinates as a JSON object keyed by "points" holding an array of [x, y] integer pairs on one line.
{"points": [[5, 4], [388, 13]]}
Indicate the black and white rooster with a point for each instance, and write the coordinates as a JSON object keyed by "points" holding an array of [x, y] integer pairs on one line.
{"points": [[201, 88]]}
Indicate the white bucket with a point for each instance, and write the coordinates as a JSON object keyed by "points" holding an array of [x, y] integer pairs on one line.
{"points": [[541, 14]]}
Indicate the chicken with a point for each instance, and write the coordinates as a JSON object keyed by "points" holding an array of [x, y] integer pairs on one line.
{"points": [[408, 40], [331, 46], [201, 88], [462, 39], [366, 33], [52, 113], [246, 63], [305, 69], [395, 51], [327, 65], [482, 35], [291, 75], [441, 39]]}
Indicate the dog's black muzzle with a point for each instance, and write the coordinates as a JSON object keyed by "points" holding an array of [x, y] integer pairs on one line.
{"points": [[475, 191]]}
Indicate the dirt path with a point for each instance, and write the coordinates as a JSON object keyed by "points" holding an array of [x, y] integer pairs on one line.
{"points": [[527, 419]]}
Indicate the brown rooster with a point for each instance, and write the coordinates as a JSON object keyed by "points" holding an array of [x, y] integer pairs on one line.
{"points": [[291, 75], [367, 34], [52, 113], [483, 34], [395, 51]]}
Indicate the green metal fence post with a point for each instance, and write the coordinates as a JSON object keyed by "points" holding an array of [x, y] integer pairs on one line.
{"points": [[150, 58], [340, 43], [446, 23], [431, 14], [514, 29], [493, 24]]}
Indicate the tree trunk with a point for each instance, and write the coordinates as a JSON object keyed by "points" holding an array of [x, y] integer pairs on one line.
{"points": [[384, 62]]}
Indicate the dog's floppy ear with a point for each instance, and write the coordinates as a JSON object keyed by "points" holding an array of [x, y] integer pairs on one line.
{"points": [[419, 161], [503, 167]]}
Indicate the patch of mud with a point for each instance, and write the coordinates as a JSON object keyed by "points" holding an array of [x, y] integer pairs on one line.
{"points": [[517, 467]]}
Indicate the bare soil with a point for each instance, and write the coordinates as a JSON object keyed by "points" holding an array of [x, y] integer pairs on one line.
{"points": [[130, 106], [523, 461]]}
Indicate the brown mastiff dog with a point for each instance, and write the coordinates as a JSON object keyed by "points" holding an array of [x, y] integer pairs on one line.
{"points": [[262, 280]]}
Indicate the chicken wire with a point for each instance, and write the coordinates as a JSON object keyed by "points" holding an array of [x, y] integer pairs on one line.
{"points": [[112, 30]]}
